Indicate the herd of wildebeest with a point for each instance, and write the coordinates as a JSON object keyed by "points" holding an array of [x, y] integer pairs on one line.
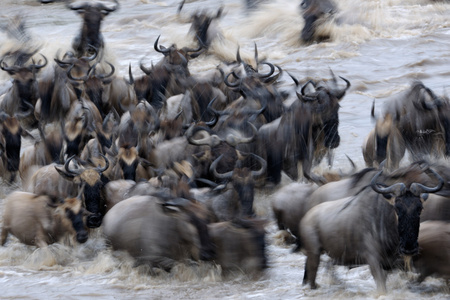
{"points": [[167, 163]]}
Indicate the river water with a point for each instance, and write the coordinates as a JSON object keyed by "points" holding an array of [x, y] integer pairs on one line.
{"points": [[379, 46]]}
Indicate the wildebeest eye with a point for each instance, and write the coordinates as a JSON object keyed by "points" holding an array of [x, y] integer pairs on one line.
{"points": [[305, 4]]}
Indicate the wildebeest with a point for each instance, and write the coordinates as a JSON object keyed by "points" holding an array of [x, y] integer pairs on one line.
{"points": [[240, 245], [316, 12], [437, 208], [41, 220], [306, 132], [384, 142], [92, 182], [365, 229], [434, 250], [158, 233], [12, 132], [291, 202], [417, 120], [204, 25], [243, 181], [23, 95], [90, 35]]}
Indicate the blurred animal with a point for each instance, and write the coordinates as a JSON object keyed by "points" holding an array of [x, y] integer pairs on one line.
{"points": [[433, 258], [378, 230], [315, 13], [157, 232], [40, 220]]}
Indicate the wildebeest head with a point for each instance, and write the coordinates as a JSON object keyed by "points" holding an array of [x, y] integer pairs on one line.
{"points": [[93, 181], [252, 84], [95, 85], [201, 25], [314, 12], [421, 118], [128, 160], [177, 59], [324, 104], [72, 209], [407, 203], [243, 181], [90, 35], [25, 88]]}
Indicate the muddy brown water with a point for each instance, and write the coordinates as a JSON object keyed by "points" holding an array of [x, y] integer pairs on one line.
{"points": [[380, 46]]}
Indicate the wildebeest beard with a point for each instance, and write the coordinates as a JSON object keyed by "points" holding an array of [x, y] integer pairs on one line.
{"points": [[104, 141], [245, 189], [129, 171], [381, 150], [13, 143], [78, 225], [330, 129], [73, 146], [94, 201]]}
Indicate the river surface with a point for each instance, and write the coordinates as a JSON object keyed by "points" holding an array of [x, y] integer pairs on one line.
{"points": [[379, 46]]}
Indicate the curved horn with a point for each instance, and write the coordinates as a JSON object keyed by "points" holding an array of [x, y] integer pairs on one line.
{"points": [[294, 79], [199, 142], [103, 76], [37, 67], [93, 56], [263, 168], [109, 9], [80, 6], [24, 114], [305, 98], [268, 74], [397, 189], [417, 188], [100, 169], [213, 167], [275, 77], [6, 68], [234, 140], [158, 49], [180, 7], [340, 93], [144, 69], [130, 75], [68, 170], [69, 74], [305, 85], [238, 55], [232, 85]]}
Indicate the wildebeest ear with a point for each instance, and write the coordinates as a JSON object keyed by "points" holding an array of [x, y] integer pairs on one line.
{"points": [[390, 198], [54, 202], [423, 197]]}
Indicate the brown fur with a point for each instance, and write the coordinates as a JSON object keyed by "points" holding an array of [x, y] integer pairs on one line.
{"points": [[37, 220]]}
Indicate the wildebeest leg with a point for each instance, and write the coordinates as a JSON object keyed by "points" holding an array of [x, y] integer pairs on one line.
{"points": [[4, 234], [40, 238], [311, 267], [378, 273], [274, 165]]}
